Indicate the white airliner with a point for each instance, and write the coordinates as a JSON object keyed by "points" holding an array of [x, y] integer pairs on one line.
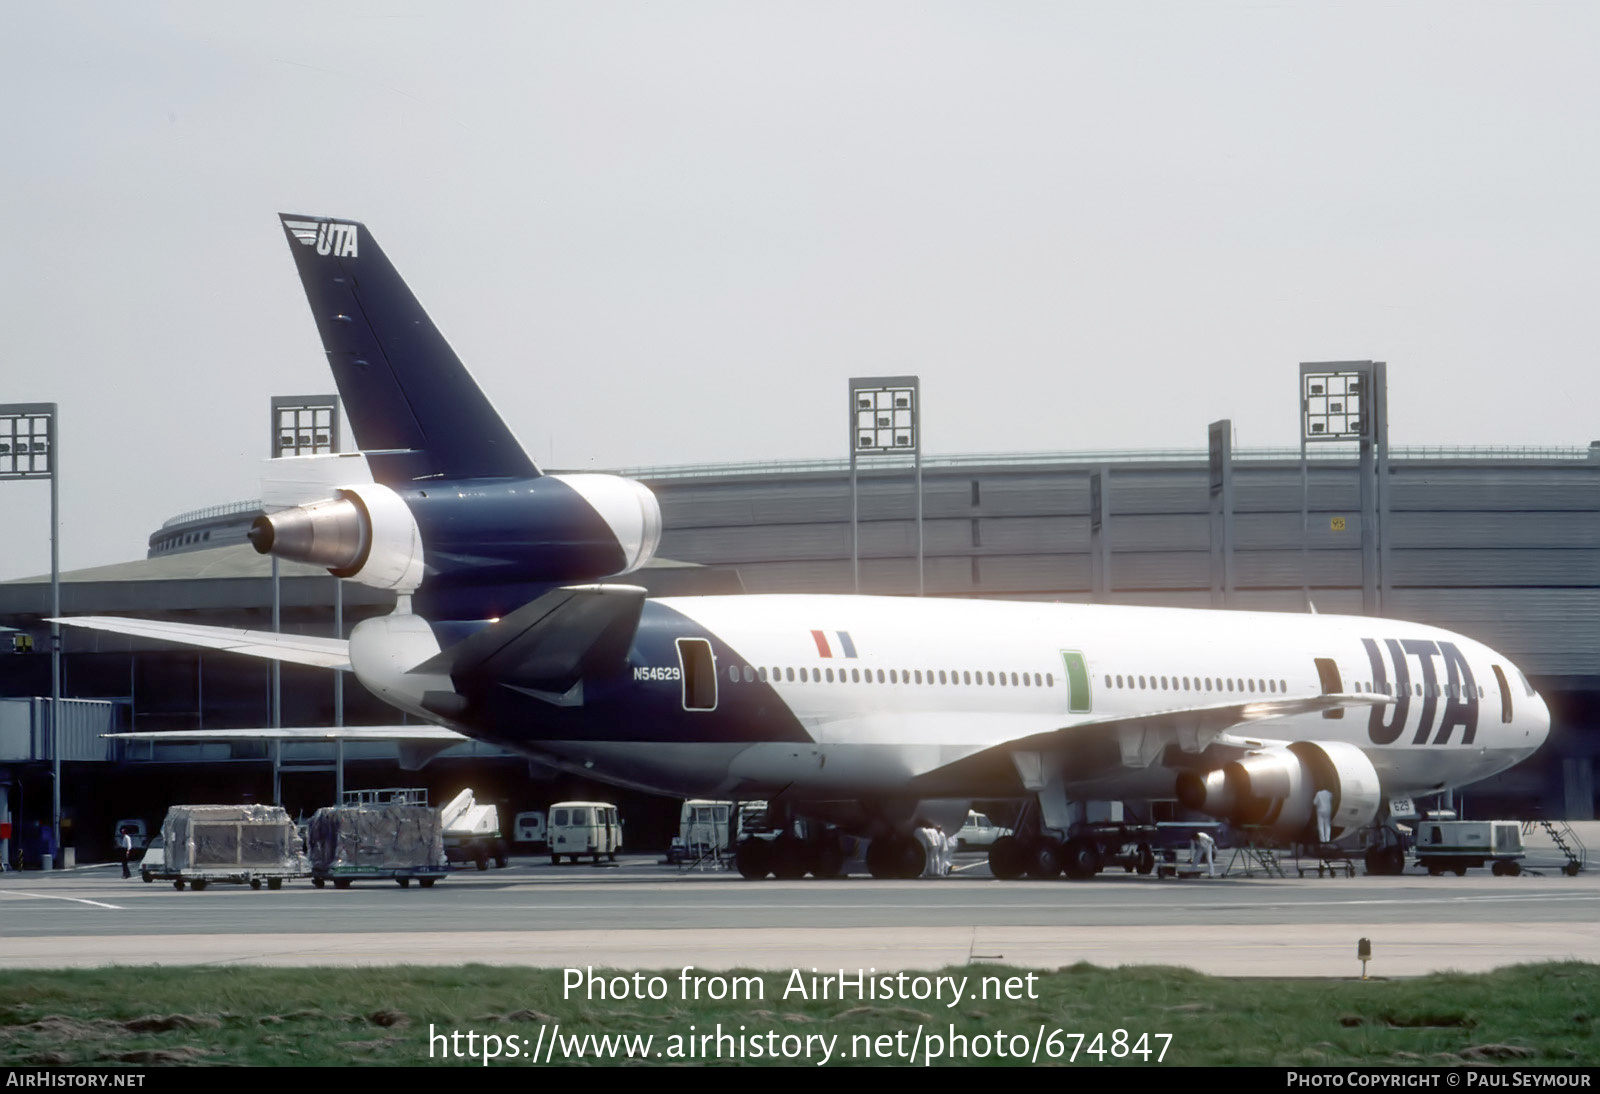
{"points": [[848, 714]]}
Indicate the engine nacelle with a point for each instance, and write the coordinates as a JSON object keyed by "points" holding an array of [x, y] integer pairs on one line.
{"points": [[484, 532], [1274, 788], [365, 532]]}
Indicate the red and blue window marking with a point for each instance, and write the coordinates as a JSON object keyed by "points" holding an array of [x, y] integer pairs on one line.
{"points": [[828, 647]]}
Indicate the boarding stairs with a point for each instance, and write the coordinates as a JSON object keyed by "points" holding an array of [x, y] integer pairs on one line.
{"points": [[1251, 857], [1566, 841]]}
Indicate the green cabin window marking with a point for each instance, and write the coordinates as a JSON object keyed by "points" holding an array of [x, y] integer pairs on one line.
{"points": [[1078, 701]]}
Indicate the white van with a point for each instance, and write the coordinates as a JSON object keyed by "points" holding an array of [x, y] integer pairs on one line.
{"points": [[529, 827], [584, 828], [702, 831]]}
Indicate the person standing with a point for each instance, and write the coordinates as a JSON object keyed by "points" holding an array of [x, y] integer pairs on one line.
{"points": [[1323, 802], [928, 838], [127, 851]]}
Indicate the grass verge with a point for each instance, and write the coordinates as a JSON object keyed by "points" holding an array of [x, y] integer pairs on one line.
{"points": [[406, 1016]]}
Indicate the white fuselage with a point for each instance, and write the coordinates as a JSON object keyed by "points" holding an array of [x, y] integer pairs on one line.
{"points": [[890, 689]]}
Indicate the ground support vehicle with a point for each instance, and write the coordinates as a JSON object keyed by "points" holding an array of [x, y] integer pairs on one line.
{"points": [[978, 831], [378, 835], [579, 829], [472, 833], [1459, 845], [250, 845]]}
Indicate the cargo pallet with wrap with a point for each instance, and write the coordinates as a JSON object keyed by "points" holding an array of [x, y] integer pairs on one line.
{"points": [[377, 835]]}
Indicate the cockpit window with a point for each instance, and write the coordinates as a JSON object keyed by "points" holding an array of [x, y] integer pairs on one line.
{"points": [[1526, 687], [1505, 693]]}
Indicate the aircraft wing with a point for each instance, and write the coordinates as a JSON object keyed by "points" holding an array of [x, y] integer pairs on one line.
{"points": [[299, 733], [327, 653], [1139, 740], [417, 744]]}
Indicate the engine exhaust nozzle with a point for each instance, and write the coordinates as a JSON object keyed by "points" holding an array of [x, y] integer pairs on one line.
{"points": [[330, 533]]}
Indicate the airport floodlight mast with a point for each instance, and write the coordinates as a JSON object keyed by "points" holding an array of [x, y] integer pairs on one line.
{"points": [[885, 420], [28, 450], [303, 425], [1348, 401]]}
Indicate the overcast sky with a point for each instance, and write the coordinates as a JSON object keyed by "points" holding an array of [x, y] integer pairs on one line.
{"points": [[667, 233]]}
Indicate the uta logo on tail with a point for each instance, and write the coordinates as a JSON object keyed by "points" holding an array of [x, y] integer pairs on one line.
{"points": [[327, 236]]}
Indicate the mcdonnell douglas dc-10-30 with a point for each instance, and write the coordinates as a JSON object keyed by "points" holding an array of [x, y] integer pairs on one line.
{"points": [[849, 715]]}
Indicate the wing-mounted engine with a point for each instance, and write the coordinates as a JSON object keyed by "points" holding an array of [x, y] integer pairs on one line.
{"points": [[1275, 788], [550, 529]]}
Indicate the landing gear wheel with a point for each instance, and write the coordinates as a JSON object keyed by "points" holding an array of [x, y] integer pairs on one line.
{"points": [[1434, 869], [255, 883], [896, 857], [426, 882], [555, 860], [752, 860], [1081, 860], [1147, 859], [318, 882], [1044, 859], [830, 859], [198, 884], [500, 860], [1006, 859], [880, 861], [274, 884], [790, 858], [1385, 861], [483, 860], [178, 885], [146, 878], [341, 883]]}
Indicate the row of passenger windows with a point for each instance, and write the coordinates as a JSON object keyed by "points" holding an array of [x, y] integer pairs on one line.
{"points": [[892, 676], [1270, 687], [1195, 683]]}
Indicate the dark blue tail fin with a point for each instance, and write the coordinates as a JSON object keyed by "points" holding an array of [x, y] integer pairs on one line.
{"points": [[412, 405]]}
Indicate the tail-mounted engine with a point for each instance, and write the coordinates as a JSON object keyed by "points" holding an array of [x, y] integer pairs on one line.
{"points": [[1275, 788], [364, 532], [554, 528]]}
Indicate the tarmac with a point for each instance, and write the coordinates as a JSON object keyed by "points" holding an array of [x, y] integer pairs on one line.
{"points": [[643, 915]]}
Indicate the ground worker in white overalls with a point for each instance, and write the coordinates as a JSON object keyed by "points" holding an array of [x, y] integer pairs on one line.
{"points": [[1322, 800]]}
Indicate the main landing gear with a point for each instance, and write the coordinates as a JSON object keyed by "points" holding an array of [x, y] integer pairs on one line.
{"points": [[1085, 854], [789, 858]]}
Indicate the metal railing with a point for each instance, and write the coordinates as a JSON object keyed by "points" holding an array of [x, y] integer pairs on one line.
{"points": [[212, 512], [1318, 452]]}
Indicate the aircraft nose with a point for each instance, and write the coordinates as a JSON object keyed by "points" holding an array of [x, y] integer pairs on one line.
{"points": [[1539, 729]]}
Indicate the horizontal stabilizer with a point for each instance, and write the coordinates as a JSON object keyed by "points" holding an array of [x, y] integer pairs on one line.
{"points": [[549, 643], [301, 649]]}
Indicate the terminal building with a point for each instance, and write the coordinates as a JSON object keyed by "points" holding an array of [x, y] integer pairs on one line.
{"points": [[1499, 544]]}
